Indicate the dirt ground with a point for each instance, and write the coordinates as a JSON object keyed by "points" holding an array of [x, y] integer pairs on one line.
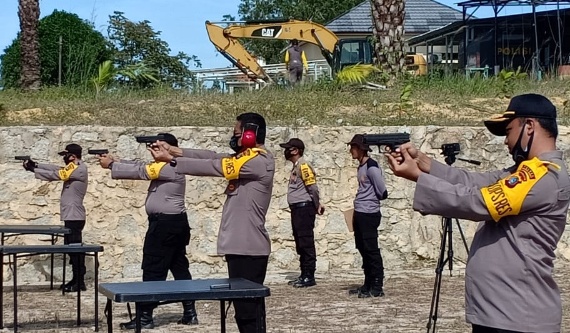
{"points": [[326, 307]]}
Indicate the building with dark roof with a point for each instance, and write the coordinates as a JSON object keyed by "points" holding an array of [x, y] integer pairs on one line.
{"points": [[421, 16]]}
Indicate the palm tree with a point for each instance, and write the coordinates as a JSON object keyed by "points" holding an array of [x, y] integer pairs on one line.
{"points": [[388, 31], [29, 14]]}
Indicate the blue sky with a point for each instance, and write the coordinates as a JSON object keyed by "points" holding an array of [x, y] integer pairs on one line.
{"points": [[180, 21]]}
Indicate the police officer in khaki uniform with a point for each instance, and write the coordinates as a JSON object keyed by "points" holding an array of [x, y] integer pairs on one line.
{"points": [[72, 211], [168, 231], [242, 237], [509, 285], [303, 200]]}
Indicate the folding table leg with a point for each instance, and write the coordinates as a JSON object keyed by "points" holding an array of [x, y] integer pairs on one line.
{"points": [[15, 294], [223, 316], [96, 292], [63, 277], [51, 264]]}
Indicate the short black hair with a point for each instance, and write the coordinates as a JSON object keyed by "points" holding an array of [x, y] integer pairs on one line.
{"points": [[549, 125], [170, 139], [257, 119]]}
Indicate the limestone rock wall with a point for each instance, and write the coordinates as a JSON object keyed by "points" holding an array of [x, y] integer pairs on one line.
{"points": [[117, 219]]}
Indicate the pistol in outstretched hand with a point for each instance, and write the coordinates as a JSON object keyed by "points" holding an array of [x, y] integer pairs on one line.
{"points": [[98, 151], [391, 140]]}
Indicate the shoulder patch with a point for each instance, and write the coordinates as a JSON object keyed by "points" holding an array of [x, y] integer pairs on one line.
{"points": [[506, 196], [232, 165], [307, 175], [153, 169], [65, 173]]}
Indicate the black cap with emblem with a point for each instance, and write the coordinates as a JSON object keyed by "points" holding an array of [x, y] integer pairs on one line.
{"points": [[522, 106]]}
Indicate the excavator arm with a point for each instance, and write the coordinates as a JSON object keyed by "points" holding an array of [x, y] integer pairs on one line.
{"points": [[227, 43]]}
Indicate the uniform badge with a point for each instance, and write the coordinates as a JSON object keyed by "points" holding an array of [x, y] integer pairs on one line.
{"points": [[512, 181]]}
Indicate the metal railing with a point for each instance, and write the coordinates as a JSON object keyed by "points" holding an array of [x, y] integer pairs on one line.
{"points": [[317, 69]]}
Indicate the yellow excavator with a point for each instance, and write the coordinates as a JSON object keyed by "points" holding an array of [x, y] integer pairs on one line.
{"points": [[338, 52]]}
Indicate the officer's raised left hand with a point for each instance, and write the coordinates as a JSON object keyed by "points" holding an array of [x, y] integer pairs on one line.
{"points": [[160, 153], [405, 168], [105, 160]]}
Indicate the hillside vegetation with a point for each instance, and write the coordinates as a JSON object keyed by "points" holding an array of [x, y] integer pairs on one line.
{"points": [[424, 101]]}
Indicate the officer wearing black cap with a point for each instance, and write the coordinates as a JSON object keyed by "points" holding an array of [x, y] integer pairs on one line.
{"points": [[168, 231], [304, 202], [367, 216], [72, 211], [521, 212]]}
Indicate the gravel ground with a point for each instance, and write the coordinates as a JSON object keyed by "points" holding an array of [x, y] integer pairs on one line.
{"points": [[326, 307]]}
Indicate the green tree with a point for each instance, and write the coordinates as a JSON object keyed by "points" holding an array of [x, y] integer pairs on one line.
{"points": [[318, 11], [136, 42], [82, 50]]}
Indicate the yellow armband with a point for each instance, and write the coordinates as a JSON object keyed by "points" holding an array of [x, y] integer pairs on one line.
{"points": [[65, 173], [153, 169], [506, 196], [307, 175], [231, 166]]}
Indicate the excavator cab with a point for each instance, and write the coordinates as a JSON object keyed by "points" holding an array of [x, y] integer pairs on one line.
{"points": [[351, 52]]}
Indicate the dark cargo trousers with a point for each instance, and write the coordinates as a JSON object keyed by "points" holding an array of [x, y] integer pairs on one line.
{"points": [[77, 261], [303, 225], [165, 249], [365, 227], [252, 268]]}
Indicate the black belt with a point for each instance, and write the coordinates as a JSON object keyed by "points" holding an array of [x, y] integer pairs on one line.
{"points": [[157, 216], [301, 204]]}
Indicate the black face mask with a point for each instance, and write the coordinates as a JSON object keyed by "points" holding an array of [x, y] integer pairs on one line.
{"points": [[67, 159], [519, 154], [288, 154], [234, 143]]}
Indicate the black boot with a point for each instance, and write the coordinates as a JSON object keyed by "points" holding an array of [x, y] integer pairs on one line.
{"points": [[362, 289], [189, 316], [146, 320], [68, 284], [297, 279], [376, 289], [308, 280]]}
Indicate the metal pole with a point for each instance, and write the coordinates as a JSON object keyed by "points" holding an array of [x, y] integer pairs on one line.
{"points": [[59, 62], [535, 62], [496, 34], [559, 44]]}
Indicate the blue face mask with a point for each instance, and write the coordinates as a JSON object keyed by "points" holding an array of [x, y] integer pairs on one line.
{"points": [[234, 143]]}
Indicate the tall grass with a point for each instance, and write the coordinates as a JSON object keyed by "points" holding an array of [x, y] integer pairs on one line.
{"points": [[433, 100]]}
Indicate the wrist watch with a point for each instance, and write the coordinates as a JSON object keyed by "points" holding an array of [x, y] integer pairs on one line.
{"points": [[173, 162]]}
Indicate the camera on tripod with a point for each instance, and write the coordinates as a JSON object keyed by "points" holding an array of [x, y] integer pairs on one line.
{"points": [[449, 149]]}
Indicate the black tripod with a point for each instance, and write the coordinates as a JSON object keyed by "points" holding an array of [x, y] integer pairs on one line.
{"points": [[446, 239]]}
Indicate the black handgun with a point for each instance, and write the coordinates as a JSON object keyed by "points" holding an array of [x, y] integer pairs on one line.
{"points": [[22, 158], [98, 151], [149, 140], [392, 140]]}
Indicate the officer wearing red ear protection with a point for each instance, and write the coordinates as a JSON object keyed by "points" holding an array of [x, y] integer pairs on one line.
{"points": [[244, 139], [242, 238]]}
